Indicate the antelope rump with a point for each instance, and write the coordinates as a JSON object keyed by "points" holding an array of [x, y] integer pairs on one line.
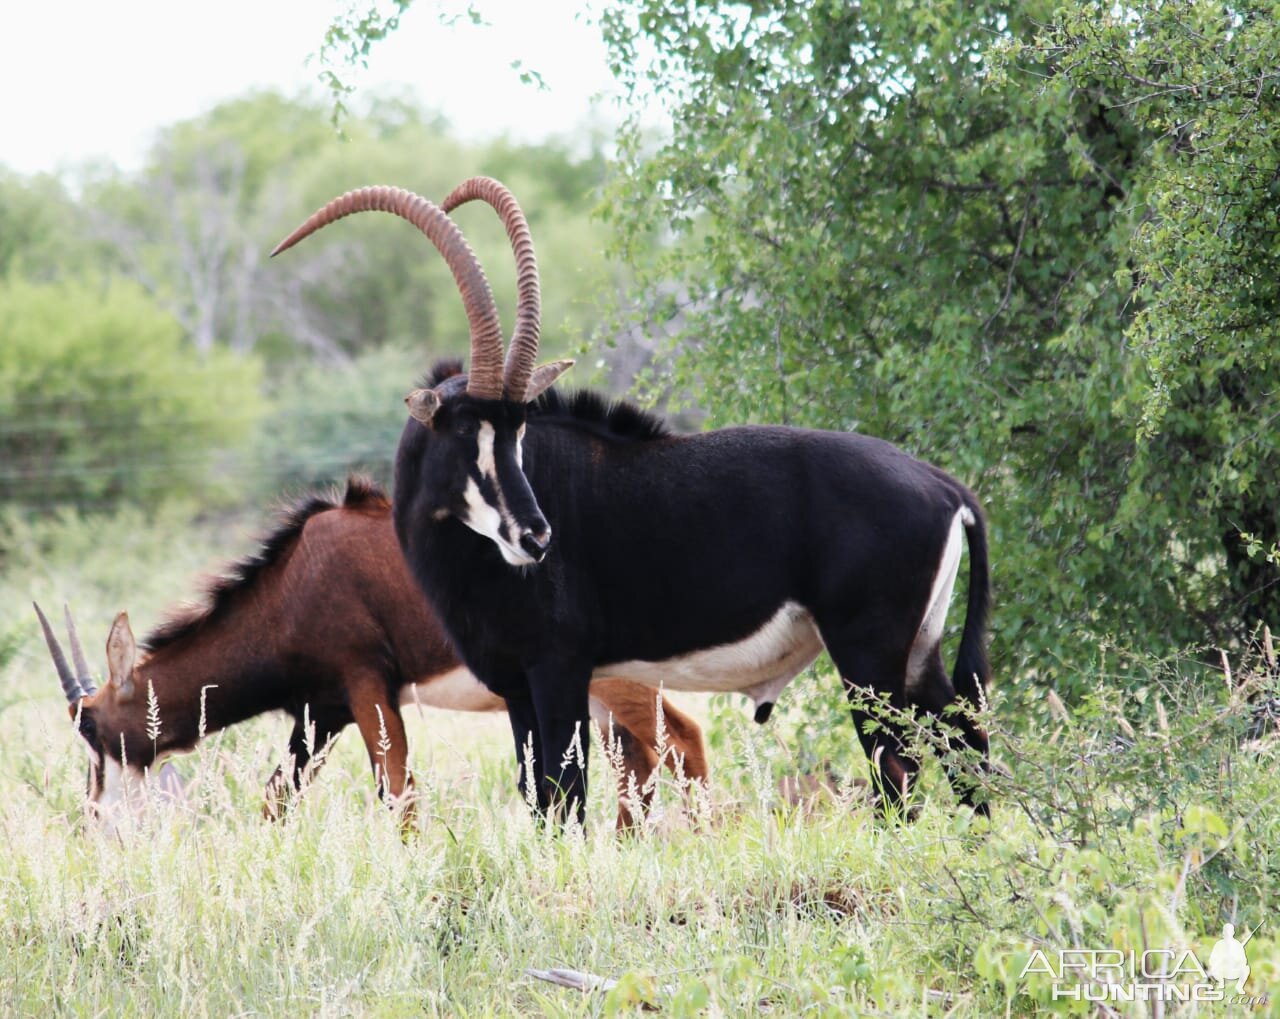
{"points": [[561, 539], [324, 623]]}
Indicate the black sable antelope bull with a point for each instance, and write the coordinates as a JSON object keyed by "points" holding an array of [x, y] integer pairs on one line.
{"points": [[561, 539], [325, 623]]}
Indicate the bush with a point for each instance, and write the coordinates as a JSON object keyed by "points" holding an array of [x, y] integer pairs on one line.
{"points": [[330, 419], [100, 400]]}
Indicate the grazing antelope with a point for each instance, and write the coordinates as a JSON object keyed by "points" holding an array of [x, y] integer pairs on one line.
{"points": [[325, 623], [725, 560]]}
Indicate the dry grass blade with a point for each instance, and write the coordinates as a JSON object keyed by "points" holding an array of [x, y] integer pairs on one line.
{"points": [[575, 979]]}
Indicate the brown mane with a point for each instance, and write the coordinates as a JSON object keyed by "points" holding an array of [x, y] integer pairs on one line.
{"points": [[361, 493]]}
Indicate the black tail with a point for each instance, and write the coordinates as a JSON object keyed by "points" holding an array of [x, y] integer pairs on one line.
{"points": [[973, 671]]}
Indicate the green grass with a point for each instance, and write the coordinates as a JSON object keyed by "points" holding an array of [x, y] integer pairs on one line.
{"points": [[746, 907]]}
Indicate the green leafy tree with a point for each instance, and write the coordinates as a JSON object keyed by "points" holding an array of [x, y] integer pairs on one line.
{"points": [[101, 400], [1199, 82], [194, 228], [871, 228], [327, 420], [42, 234]]}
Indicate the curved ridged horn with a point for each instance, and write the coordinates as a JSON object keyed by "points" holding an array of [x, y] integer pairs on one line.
{"points": [[524, 339], [485, 378], [83, 676], [69, 685]]}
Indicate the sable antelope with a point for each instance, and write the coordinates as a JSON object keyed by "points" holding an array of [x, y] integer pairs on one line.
{"points": [[725, 560], [325, 623]]}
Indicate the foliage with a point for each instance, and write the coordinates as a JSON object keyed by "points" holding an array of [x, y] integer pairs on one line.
{"points": [[39, 234], [131, 558], [101, 401], [1198, 81], [326, 421], [871, 229]]}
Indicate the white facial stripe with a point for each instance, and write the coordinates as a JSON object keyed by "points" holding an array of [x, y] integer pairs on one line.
{"points": [[127, 792], [497, 523], [520, 448], [486, 520], [487, 465], [114, 784], [481, 516], [121, 794]]}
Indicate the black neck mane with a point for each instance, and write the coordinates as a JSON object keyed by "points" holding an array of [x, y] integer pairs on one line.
{"points": [[241, 575], [613, 418], [616, 419]]}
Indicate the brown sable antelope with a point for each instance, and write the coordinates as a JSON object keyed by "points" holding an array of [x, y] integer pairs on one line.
{"points": [[325, 623]]}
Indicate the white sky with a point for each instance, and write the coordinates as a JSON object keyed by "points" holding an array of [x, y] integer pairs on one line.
{"points": [[90, 79]]}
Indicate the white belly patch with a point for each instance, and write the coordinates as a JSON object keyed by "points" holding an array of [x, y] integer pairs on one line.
{"points": [[457, 690], [760, 665]]}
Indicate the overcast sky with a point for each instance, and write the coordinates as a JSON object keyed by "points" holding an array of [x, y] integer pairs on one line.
{"points": [[89, 79]]}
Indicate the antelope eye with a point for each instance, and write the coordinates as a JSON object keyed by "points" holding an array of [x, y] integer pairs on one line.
{"points": [[465, 428]]}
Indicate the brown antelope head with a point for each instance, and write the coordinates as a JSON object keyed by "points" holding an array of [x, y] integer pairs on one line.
{"points": [[469, 455], [123, 743]]}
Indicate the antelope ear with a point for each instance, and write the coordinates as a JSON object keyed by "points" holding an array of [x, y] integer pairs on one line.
{"points": [[544, 376], [423, 404], [122, 655]]}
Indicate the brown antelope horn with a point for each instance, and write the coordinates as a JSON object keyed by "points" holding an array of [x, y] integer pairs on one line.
{"points": [[524, 339], [83, 676], [69, 685], [485, 378]]}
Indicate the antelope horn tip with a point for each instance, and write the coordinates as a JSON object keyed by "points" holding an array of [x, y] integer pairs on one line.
{"points": [[70, 686]]}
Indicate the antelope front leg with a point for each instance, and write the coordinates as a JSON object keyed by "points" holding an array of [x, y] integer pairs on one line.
{"points": [[561, 704], [280, 788], [529, 763], [382, 728], [635, 735]]}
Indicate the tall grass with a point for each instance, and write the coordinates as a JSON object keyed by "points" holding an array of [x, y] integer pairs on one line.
{"points": [[1126, 822]]}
